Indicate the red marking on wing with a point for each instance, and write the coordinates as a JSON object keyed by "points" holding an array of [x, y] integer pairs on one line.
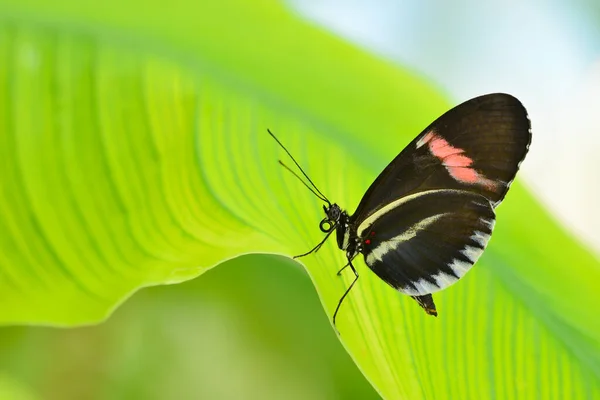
{"points": [[440, 148], [449, 154], [463, 174], [456, 162], [368, 241]]}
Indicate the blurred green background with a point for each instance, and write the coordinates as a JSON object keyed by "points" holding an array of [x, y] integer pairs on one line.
{"points": [[254, 327]]}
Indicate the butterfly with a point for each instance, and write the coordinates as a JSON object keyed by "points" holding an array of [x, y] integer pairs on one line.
{"points": [[429, 215]]}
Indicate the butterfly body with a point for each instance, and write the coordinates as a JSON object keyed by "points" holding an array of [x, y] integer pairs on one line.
{"points": [[428, 216]]}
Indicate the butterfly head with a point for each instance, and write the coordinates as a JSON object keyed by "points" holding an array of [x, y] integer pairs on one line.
{"points": [[333, 214]]}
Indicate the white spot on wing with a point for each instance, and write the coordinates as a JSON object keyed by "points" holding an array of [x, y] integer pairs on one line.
{"points": [[460, 267], [488, 222], [444, 280], [409, 291], [426, 138], [422, 286], [472, 253], [480, 238], [427, 287]]}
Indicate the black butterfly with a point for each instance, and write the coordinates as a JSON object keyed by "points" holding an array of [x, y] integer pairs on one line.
{"points": [[429, 215]]}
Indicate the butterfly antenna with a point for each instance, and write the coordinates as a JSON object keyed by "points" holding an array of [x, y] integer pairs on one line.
{"points": [[304, 183], [320, 195]]}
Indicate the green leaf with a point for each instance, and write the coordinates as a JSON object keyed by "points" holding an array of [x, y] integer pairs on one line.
{"points": [[13, 390], [250, 329], [134, 152]]}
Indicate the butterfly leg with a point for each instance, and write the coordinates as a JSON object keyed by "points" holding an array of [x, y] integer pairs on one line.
{"points": [[343, 268], [350, 255], [316, 248], [347, 290]]}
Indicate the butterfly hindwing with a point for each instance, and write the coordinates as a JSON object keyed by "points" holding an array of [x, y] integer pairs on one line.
{"points": [[476, 147], [424, 242]]}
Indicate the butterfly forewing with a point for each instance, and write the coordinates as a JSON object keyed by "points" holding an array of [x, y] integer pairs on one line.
{"points": [[476, 147], [424, 242]]}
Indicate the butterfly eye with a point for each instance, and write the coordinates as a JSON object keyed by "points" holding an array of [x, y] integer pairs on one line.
{"points": [[326, 225]]}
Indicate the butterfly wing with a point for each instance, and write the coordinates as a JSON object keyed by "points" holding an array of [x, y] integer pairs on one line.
{"points": [[476, 147], [424, 242]]}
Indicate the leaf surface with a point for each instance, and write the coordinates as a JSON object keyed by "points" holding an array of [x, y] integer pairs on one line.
{"points": [[134, 152]]}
